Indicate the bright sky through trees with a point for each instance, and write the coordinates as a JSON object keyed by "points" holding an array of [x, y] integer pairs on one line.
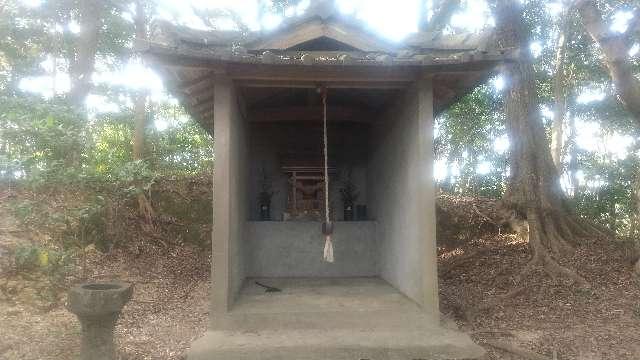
{"points": [[393, 22]]}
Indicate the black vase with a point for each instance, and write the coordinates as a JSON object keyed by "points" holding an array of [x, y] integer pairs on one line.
{"points": [[361, 212], [265, 212], [348, 212]]}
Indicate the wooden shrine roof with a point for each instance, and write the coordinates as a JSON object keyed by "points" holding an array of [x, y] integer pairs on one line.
{"points": [[320, 46]]}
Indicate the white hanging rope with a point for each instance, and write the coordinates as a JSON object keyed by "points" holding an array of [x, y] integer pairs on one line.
{"points": [[328, 228]]}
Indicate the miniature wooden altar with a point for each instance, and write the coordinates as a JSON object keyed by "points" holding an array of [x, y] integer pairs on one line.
{"points": [[305, 196]]}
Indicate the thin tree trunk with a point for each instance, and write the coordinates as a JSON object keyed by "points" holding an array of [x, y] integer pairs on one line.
{"points": [[634, 232], [82, 66], [140, 98], [56, 44], [140, 114], [572, 168], [560, 94], [533, 191], [615, 49], [635, 221]]}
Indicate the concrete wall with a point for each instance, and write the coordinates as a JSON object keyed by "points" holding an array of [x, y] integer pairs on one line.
{"points": [[399, 192], [402, 195], [229, 193], [294, 249]]}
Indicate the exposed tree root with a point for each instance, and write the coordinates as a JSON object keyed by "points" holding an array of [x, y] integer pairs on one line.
{"points": [[470, 314], [546, 241], [493, 332], [548, 237], [550, 234], [463, 259], [484, 216], [146, 211], [516, 350], [145, 208]]}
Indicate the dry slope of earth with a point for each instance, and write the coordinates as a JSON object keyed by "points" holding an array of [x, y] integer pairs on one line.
{"points": [[478, 263]]}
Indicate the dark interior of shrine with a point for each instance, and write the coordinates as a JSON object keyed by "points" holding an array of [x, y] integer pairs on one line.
{"points": [[285, 150]]}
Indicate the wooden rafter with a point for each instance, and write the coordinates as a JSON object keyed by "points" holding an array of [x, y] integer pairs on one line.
{"points": [[310, 113]]}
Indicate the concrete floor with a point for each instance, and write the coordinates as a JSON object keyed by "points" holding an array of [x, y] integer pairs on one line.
{"points": [[320, 295], [329, 319]]}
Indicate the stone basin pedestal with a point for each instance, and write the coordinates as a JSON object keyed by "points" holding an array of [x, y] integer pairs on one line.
{"points": [[98, 306]]}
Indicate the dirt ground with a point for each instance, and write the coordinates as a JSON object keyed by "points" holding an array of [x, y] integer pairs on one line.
{"points": [[478, 264]]}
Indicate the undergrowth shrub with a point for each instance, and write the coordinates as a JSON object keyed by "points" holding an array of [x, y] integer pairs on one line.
{"points": [[54, 265]]}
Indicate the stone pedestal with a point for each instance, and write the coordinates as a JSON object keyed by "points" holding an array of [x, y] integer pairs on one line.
{"points": [[98, 307]]}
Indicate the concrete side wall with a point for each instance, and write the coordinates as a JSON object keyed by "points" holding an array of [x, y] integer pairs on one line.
{"points": [[294, 249], [229, 193], [402, 195]]}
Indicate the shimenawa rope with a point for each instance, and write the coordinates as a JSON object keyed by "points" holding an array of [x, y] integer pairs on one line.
{"points": [[327, 228]]}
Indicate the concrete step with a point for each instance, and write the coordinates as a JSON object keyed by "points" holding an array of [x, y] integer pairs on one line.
{"points": [[335, 344], [350, 303], [388, 319]]}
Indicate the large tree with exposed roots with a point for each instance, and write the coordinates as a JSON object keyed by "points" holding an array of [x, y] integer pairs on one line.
{"points": [[533, 193]]}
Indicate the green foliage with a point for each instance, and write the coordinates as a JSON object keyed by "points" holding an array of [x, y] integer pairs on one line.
{"points": [[86, 225], [135, 178], [51, 263], [27, 258], [23, 210], [183, 148], [22, 44], [465, 138], [111, 148], [49, 143], [40, 140], [607, 197]]}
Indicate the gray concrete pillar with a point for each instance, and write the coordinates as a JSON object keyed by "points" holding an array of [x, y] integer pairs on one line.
{"points": [[229, 193], [427, 195], [403, 195]]}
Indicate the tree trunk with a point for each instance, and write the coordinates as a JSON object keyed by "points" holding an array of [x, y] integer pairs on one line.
{"points": [[140, 100], [560, 94], [572, 168], [615, 49], [533, 191], [635, 223], [634, 232], [140, 114], [82, 65]]}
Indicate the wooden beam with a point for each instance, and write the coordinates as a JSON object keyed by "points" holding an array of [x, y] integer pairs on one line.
{"points": [[206, 103], [315, 84], [197, 97], [174, 59], [188, 86], [309, 113], [319, 73], [205, 117]]}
